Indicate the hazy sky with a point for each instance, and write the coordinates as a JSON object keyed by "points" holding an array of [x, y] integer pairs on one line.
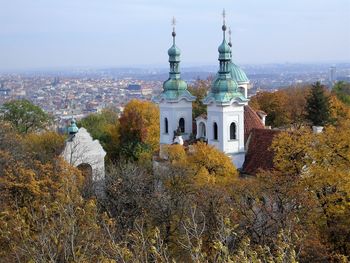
{"points": [[99, 33]]}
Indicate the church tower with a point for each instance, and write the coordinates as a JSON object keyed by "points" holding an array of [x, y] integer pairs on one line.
{"points": [[225, 108], [175, 101]]}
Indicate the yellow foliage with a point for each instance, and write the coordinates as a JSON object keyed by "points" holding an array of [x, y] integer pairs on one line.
{"points": [[338, 110], [290, 151], [176, 153], [211, 164], [208, 165], [141, 118], [321, 163], [44, 146]]}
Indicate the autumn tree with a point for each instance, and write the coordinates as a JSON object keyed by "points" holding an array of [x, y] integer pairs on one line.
{"points": [[317, 107], [339, 112], [274, 105], [24, 115], [43, 215], [139, 130], [199, 89], [320, 163], [207, 174], [295, 103], [45, 147]]}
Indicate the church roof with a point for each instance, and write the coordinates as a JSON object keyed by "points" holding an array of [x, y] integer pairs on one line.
{"points": [[237, 73], [259, 155], [251, 121], [175, 96], [174, 88], [224, 88]]}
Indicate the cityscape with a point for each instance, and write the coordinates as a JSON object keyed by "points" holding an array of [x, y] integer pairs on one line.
{"points": [[78, 93], [175, 131]]}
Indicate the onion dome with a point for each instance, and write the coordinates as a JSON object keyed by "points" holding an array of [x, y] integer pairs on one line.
{"points": [[174, 84], [224, 48], [224, 88], [174, 51], [174, 88]]}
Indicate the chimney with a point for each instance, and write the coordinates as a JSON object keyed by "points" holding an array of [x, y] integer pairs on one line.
{"points": [[262, 115]]}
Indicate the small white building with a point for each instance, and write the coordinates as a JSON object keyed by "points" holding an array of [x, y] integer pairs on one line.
{"points": [[81, 151]]}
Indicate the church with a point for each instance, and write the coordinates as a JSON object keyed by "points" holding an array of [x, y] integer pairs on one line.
{"points": [[230, 124]]}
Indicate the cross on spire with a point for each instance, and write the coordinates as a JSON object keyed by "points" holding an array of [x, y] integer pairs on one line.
{"points": [[224, 22], [173, 23], [224, 16]]}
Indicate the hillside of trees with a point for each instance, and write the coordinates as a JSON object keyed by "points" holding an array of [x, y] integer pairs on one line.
{"points": [[194, 207]]}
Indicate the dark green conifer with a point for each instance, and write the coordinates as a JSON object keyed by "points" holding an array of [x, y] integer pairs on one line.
{"points": [[318, 106]]}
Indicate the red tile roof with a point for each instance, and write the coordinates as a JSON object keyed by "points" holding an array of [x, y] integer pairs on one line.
{"points": [[251, 121], [259, 156]]}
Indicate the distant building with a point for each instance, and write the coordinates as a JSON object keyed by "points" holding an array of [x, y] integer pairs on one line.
{"points": [[134, 87], [4, 92], [332, 75]]}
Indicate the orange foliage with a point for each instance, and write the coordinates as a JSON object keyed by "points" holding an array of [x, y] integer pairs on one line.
{"points": [[140, 122]]}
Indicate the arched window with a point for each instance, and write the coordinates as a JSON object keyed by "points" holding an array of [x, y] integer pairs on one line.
{"points": [[215, 131], [233, 131], [182, 125], [166, 126], [202, 133]]}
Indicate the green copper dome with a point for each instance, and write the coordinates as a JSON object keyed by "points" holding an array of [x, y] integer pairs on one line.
{"points": [[174, 88], [224, 87], [237, 73], [174, 51], [73, 129], [224, 51], [174, 84]]}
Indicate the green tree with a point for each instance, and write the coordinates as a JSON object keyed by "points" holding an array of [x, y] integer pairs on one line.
{"points": [[24, 115], [342, 91], [98, 125], [318, 106]]}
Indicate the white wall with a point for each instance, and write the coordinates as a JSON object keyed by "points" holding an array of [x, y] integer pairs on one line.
{"points": [[174, 111], [224, 116], [83, 149]]}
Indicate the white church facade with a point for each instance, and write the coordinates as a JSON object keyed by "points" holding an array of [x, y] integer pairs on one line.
{"points": [[225, 125]]}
